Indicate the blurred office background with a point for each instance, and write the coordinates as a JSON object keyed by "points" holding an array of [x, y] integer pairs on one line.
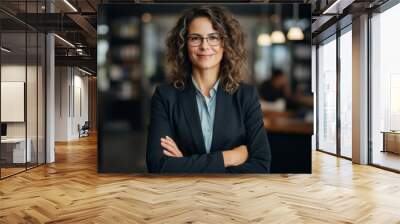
{"points": [[131, 48]]}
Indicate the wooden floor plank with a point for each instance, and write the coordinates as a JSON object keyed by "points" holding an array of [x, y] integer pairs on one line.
{"points": [[71, 191]]}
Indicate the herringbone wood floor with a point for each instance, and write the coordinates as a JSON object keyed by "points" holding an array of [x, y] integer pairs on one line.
{"points": [[71, 191]]}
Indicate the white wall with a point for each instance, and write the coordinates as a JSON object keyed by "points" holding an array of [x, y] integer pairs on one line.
{"points": [[71, 94], [12, 73], [33, 126], [62, 81]]}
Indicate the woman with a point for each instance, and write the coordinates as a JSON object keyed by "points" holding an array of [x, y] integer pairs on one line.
{"points": [[205, 120]]}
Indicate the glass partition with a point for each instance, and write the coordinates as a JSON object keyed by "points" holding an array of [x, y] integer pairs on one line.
{"points": [[385, 89], [22, 87], [327, 96], [346, 93], [14, 153]]}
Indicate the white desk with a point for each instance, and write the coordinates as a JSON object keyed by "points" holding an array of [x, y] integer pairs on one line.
{"points": [[18, 145]]}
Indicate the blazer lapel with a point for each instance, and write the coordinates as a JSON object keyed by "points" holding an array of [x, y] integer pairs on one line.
{"points": [[220, 118], [192, 116]]}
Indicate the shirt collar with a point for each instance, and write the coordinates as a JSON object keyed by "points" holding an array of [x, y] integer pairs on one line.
{"points": [[213, 90]]}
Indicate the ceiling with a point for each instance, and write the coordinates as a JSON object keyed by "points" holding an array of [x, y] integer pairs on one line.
{"points": [[79, 27]]}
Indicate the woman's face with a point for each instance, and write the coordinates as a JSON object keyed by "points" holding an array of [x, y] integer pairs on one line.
{"points": [[204, 53]]}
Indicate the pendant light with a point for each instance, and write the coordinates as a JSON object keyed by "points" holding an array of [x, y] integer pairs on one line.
{"points": [[295, 32], [277, 36]]}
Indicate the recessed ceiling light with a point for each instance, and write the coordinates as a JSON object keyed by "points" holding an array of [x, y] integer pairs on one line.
{"points": [[70, 5], [65, 41], [5, 49], [84, 71]]}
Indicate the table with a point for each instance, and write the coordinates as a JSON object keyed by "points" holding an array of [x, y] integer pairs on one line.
{"points": [[288, 125], [15, 148], [391, 141], [290, 141]]}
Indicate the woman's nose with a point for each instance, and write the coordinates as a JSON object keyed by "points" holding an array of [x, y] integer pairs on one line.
{"points": [[204, 44]]}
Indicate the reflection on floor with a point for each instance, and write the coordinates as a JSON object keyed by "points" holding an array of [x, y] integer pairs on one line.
{"points": [[11, 169], [71, 191], [387, 159]]}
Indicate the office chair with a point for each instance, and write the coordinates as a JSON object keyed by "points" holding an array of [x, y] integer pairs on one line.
{"points": [[84, 130]]}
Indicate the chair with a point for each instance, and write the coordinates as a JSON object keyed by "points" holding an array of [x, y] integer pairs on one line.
{"points": [[84, 130]]}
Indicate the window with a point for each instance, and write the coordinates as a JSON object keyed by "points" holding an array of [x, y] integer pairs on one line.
{"points": [[327, 96], [346, 94], [385, 88]]}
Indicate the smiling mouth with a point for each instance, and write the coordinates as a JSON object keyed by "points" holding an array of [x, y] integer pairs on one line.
{"points": [[204, 56]]}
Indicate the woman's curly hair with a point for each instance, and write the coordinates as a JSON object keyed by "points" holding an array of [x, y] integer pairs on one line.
{"points": [[234, 57]]}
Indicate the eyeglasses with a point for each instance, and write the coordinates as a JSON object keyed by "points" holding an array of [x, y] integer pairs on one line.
{"points": [[213, 39]]}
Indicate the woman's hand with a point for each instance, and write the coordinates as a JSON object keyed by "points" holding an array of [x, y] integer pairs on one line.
{"points": [[170, 147], [236, 156]]}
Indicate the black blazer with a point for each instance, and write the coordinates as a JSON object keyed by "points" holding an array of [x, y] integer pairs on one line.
{"points": [[238, 121]]}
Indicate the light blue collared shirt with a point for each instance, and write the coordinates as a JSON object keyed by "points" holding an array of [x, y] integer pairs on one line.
{"points": [[206, 107]]}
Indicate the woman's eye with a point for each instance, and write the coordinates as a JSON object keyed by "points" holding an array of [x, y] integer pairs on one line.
{"points": [[213, 38], [194, 38]]}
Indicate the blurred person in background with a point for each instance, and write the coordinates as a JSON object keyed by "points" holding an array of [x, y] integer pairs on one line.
{"points": [[276, 96], [275, 92], [275, 88], [205, 120]]}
